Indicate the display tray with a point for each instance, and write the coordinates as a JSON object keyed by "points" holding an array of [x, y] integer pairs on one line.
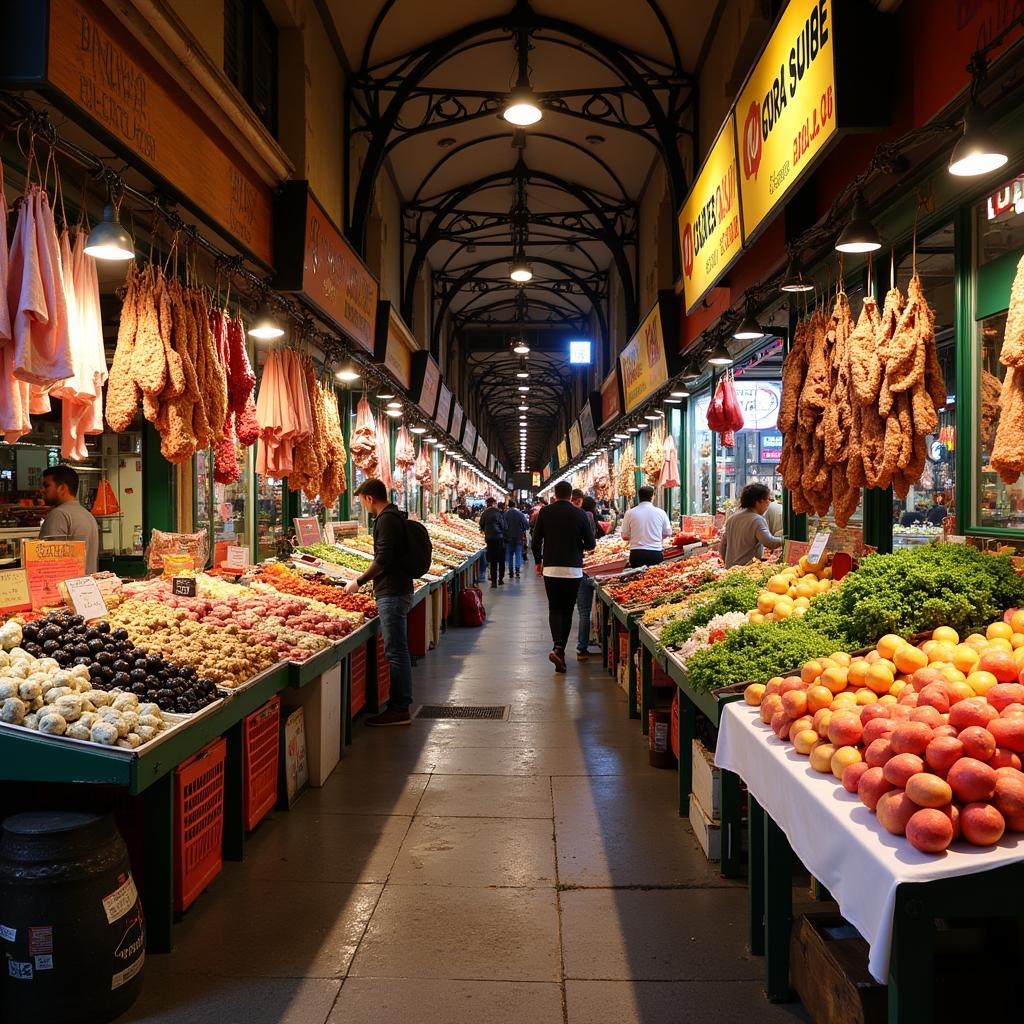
{"points": [[234, 691], [175, 723]]}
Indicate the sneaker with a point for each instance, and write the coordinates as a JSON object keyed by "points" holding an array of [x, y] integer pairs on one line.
{"points": [[583, 656], [557, 658], [493, 585], [501, 583], [517, 574], [390, 717]]}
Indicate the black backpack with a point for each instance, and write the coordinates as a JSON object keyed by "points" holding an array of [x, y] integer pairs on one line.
{"points": [[419, 549]]}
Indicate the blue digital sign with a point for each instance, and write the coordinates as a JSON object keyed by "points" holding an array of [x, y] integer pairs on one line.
{"points": [[579, 353]]}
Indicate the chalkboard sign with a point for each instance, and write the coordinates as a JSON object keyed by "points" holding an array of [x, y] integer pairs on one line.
{"points": [[183, 586]]}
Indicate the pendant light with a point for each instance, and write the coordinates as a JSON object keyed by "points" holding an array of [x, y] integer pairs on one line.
{"points": [[522, 108], [748, 330], [265, 327], [680, 393], [794, 281], [386, 393], [109, 240], [720, 355], [520, 270], [523, 373], [977, 151], [347, 374], [521, 348], [860, 234]]}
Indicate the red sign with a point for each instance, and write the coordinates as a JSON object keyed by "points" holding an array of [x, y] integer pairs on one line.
{"points": [[611, 398], [320, 265], [307, 530]]}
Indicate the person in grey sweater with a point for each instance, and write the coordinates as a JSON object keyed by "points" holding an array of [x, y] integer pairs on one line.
{"points": [[746, 533]]}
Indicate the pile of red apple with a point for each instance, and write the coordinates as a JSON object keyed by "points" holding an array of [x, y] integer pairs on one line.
{"points": [[929, 737]]}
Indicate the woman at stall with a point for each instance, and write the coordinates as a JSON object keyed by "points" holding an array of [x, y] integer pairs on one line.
{"points": [[746, 533]]}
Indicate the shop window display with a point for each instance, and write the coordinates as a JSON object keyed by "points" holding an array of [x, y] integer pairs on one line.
{"points": [[222, 508], [698, 458], [919, 518]]}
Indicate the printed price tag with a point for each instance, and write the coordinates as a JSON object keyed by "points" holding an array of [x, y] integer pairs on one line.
{"points": [[818, 546], [14, 592], [49, 563], [86, 598], [184, 586], [329, 532], [307, 530], [238, 556]]}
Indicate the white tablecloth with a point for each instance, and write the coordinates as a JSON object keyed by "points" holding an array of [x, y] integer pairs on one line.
{"points": [[836, 837]]}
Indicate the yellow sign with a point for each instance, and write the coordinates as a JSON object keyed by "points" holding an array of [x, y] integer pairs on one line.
{"points": [[786, 112], [710, 230], [563, 455], [399, 350], [643, 363]]}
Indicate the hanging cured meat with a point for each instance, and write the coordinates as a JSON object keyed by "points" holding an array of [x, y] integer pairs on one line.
{"points": [[654, 455], [423, 474], [363, 445], [384, 454], [405, 451], [627, 473]]}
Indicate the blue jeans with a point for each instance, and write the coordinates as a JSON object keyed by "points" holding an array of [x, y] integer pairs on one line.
{"points": [[514, 554], [584, 604], [393, 613]]}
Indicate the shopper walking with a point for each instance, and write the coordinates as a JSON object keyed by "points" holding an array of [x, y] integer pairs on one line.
{"points": [[645, 526], [68, 520], [746, 533], [585, 597], [516, 525], [392, 590], [561, 533], [492, 526], [773, 516]]}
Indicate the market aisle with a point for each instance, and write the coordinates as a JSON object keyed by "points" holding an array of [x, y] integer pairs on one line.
{"points": [[487, 872]]}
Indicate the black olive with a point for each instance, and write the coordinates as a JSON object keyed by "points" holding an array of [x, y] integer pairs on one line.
{"points": [[119, 679], [96, 671], [154, 663], [76, 620], [105, 657], [95, 645], [165, 694], [29, 633], [120, 633], [139, 688], [138, 675], [50, 632], [49, 646], [120, 665], [54, 617], [63, 658], [82, 661], [102, 626], [34, 649]]}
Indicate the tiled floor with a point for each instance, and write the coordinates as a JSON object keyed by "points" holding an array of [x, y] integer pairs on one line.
{"points": [[480, 872]]}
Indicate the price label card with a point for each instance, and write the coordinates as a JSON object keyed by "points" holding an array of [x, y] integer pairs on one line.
{"points": [[184, 586], [14, 593], [818, 546], [307, 530], [329, 532], [86, 598], [237, 557], [49, 563]]}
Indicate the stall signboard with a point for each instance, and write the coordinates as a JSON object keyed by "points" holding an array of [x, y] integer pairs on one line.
{"points": [[785, 116], [611, 397], [307, 530], [456, 425], [575, 439], [426, 379], [237, 556], [710, 226], [481, 451], [79, 52], [444, 406], [14, 593], [394, 344], [535, 478], [588, 433], [469, 437], [545, 473], [313, 259], [49, 563], [769, 446], [563, 454], [643, 362]]}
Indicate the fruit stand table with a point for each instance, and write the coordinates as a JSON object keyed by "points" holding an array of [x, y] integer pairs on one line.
{"points": [[691, 704], [884, 887]]}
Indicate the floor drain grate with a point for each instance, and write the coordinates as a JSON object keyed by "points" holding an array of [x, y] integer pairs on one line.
{"points": [[495, 712]]}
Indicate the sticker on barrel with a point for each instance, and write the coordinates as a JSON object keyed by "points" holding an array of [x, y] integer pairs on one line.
{"points": [[121, 900]]}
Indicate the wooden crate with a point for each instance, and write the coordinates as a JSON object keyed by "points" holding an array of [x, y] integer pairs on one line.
{"points": [[707, 781], [707, 831], [828, 968]]}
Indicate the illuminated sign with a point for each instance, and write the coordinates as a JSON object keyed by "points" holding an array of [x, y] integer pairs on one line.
{"points": [[786, 111], [579, 353], [643, 363], [710, 229], [769, 447]]}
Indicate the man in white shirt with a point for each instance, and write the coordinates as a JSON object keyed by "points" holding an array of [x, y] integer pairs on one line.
{"points": [[645, 526]]}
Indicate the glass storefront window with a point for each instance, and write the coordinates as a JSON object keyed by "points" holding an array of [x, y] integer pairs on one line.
{"points": [[697, 459], [222, 508], [270, 524], [918, 519], [999, 223]]}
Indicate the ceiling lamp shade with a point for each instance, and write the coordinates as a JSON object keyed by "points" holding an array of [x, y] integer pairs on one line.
{"points": [[347, 374], [860, 234], [520, 271], [265, 327], [109, 240], [794, 281], [385, 393], [417, 430], [720, 356], [749, 330], [522, 108], [394, 413], [522, 372], [395, 405], [680, 393], [977, 151], [521, 348]]}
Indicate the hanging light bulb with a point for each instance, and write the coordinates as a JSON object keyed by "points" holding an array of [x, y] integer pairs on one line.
{"points": [[394, 413], [347, 374], [720, 356], [691, 374], [977, 151], [417, 430], [680, 393], [521, 348], [385, 393], [522, 108], [520, 270], [109, 240], [860, 234], [749, 330], [395, 405], [794, 281], [523, 373], [265, 327]]}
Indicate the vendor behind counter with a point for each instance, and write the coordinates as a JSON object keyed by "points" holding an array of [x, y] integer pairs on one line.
{"points": [[68, 520]]}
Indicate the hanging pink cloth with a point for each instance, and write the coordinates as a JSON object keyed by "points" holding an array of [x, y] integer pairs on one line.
{"points": [[670, 470], [5, 263], [384, 454]]}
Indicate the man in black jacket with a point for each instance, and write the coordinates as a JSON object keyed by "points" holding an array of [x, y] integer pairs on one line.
{"points": [[561, 534], [392, 590], [492, 526]]}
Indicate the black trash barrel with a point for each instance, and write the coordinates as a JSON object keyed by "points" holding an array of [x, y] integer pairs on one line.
{"points": [[72, 932]]}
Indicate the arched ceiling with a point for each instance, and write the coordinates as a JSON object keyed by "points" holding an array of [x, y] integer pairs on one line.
{"points": [[615, 83]]}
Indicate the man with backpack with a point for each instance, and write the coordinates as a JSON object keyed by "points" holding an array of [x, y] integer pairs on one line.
{"points": [[492, 526], [399, 550], [516, 526]]}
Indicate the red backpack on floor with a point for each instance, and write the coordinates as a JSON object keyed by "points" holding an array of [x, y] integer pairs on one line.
{"points": [[471, 606]]}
